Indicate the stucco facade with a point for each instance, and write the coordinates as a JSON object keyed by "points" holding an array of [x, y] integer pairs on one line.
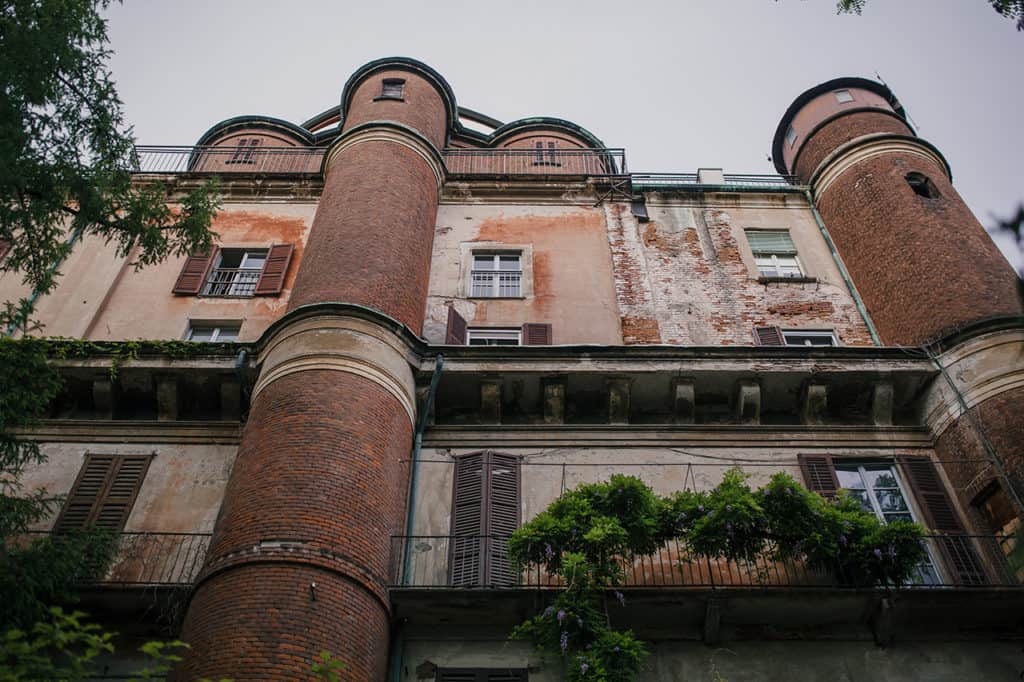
{"points": [[402, 286]]}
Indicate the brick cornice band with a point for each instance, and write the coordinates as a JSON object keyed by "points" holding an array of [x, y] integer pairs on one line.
{"points": [[850, 154], [392, 132], [342, 344]]}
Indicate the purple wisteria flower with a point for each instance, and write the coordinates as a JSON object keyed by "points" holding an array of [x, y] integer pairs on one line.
{"points": [[561, 615], [584, 667], [843, 540], [878, 553], [564, 640], [789, 491], [579, 621], [615, 649], [548, 611], [621, 597], [548, 552], [728, 507], [700, 508]]}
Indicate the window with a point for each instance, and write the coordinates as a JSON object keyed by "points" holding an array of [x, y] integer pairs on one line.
{"points": [[548, 157], [878, 489], [774, 254], [245, 152], [481, 675], [497, 275], [485, 512], [235, 272], [790, 135], [843, 96], [213, 332], [922, 186], [104, 493], [809, 337], [491, 336], [392, 88]]}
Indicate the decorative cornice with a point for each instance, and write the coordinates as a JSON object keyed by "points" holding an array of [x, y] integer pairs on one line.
{"points": [[847, 155], [389, 131], [124, 431]]}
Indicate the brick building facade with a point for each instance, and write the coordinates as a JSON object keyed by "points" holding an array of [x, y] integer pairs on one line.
{"points": [[425, 324]]}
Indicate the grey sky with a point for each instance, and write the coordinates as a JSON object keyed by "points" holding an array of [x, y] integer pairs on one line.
{"points": [[679, 84]]}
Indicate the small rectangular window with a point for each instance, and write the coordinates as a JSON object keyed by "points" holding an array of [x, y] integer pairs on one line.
{"points": [[492, 336], [809, 337], [790, 136], [213, 332], [774, 253], [245, 152], [392, 88], [843, 96], [235, 273], [497, 275], [546, 155]]}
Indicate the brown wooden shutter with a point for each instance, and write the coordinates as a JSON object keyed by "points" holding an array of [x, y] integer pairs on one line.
{"points": [[466, 559], [819, 474], [502, 504], [104, 493], [485, 512], [456, 332], [193, 274], [536, 334], [940, 515], [769, 336], [271, 280]]}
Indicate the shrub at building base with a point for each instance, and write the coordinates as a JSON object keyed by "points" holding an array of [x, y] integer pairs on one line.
{"points": [[584, 536]]}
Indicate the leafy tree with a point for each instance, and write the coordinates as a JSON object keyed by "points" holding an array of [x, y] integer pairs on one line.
{"points": [[1011, 9], [67, 156]]}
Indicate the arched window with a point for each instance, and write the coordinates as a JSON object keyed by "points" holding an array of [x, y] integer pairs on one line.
{"points": [[922, 186]]}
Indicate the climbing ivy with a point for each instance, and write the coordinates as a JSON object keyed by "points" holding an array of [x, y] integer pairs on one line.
{"points": [[586, 536]]}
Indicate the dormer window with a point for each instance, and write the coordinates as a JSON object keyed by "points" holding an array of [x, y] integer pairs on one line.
{"points": [[843, 96], [392, 88]]}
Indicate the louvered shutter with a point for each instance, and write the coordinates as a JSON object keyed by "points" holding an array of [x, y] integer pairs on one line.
{"points": [[771, 241], [941, 516], [466, 562], [271, 280], [456, 332], [502, 504], [535, 334], [104, 492], [193, 274], [769, 336], [819, 474]]}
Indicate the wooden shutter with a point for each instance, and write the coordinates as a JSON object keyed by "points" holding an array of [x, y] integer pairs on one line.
{"points": [[820, 474], [536, 334], [502, 506], [466, 562], [456, 332], [940, 515], [193, 274], [769, 336], [271, 280], [485, 512], [771, 241], [104, 492]]}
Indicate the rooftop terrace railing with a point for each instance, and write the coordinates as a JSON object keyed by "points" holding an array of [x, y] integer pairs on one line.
{"points": [[661, 181], [480, 561], [533, 162], [227, 160], [153, 558]]}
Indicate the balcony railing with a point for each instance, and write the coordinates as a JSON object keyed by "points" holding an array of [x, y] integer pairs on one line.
{"points": [[457, 562], [660, 181], [231, 282], [154, 559], [534, 162], [223, 160]]}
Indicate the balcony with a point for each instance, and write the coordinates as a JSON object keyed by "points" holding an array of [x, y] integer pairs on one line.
{"points": [[515, 163], [160, 160], [231, 282]]}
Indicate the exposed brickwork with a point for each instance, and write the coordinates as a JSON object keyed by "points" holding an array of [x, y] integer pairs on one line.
{"points": [[681, 279], [371, 238], [840, 130], [1000, 419], [421, 107], [921, 265], [320, 466]]}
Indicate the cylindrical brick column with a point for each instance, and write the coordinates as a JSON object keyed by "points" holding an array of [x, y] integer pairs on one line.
{"points": [[921, 261], [301, 553]]}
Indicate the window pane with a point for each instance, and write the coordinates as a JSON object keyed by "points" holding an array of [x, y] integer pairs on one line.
{"points": [[508, 263], [881, 478], [843, 96], [849, 479], [201, 334], [228, 334], [483, 263]]}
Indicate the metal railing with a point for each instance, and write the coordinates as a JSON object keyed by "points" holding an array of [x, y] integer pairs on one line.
{"points": [[534, 162], [457, 562], [231, 282], [153, 558], [223, 160], [656, 181]]}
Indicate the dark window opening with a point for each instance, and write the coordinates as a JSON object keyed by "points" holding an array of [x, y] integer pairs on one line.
{"points": [[245, 151], [546, 156], [996, 508], [392, 88], [922, 186]]}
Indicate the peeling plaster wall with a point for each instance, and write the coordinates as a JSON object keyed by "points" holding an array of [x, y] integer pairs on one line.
{"points": [[688, 276], [567, 281]]}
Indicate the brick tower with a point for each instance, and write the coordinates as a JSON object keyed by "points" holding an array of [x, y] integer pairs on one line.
{"points": [[301, 550], [921, 260]]}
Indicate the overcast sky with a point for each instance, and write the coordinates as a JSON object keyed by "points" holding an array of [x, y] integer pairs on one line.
{"points": [[680, 84]]}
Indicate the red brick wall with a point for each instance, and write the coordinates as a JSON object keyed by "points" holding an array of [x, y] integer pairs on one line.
{"points": [[921, 265], [421, 107], [322, 468], [840, 130]]}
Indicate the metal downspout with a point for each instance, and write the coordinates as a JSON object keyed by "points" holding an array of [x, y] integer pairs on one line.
{"points": [[398, 642], [842, 270]]}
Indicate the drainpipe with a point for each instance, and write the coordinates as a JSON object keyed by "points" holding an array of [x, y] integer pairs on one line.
{"points": [[75, 236], [398, 640], [842, 270]]}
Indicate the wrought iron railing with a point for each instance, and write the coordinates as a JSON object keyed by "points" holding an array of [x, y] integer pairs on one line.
{"points": [[480, 561], [656, 181], [231, 282], [221, 160], [534, 162], [153, 558]]}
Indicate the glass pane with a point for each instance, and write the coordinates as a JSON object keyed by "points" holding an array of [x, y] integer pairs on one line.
{"points": [[201, 334], [898, 517], [483, 262], [509, 263], [862, 497], [881, 477], [253, 260], [891, 500], [228, 334], [849, 479]]}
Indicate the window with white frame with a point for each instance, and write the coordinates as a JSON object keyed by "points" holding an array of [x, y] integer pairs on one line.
{"points": [[775, 254], [809, 337], [212, 332], [497, 275], [843, 96], [236, 272], [493, 336], [878, 489]]}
